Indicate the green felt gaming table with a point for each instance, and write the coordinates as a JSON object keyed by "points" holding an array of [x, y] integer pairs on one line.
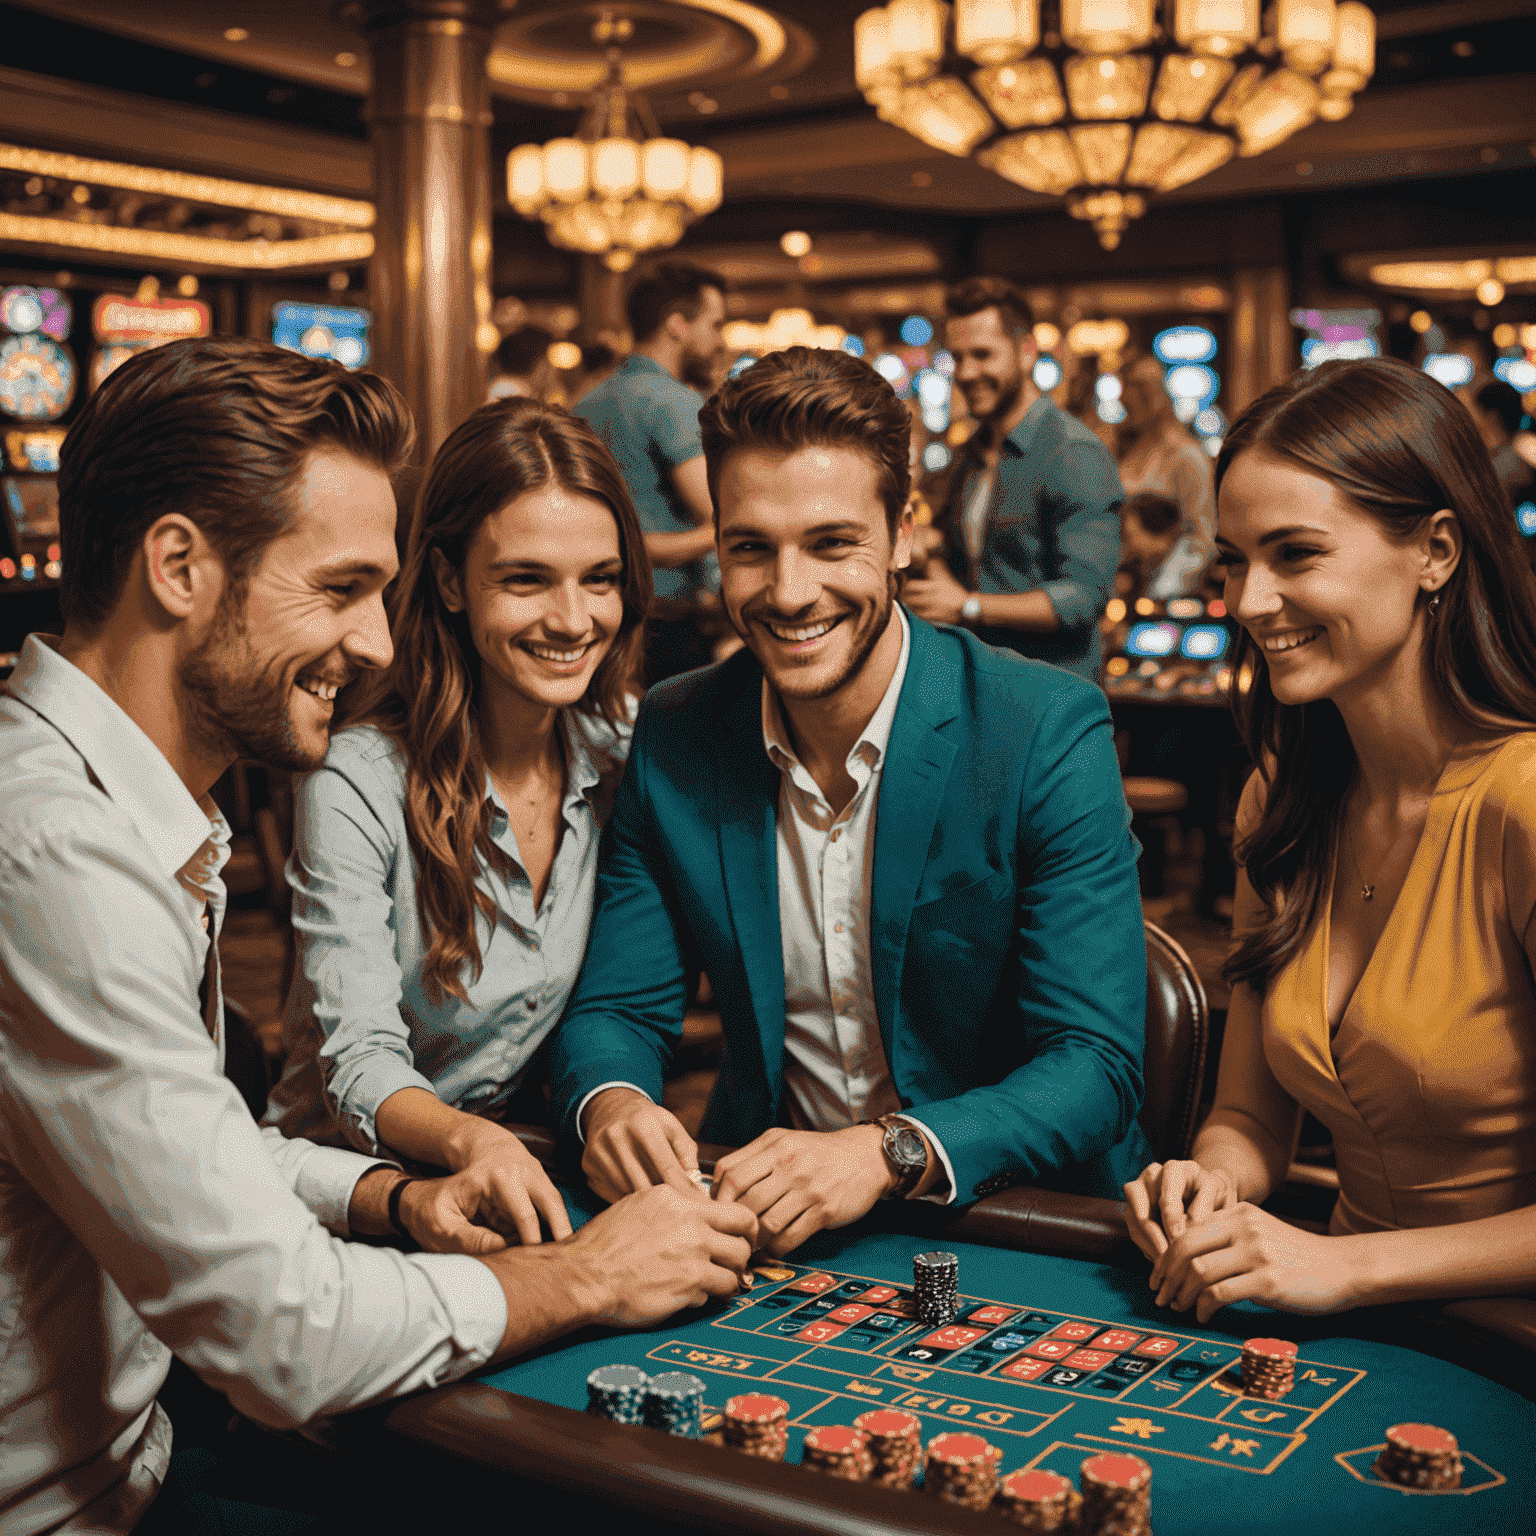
{"points": [[1053, 1357]]}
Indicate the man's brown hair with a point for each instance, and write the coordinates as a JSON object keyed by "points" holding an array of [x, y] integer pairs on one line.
{"points": [[673, 288], [973, 294], [812, 398], [218, 429]]}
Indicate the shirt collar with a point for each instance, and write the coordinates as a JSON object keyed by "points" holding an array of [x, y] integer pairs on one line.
{"points": [[639, 362], [874, 739], [581, 771], [1023, 434], [132, 770]]}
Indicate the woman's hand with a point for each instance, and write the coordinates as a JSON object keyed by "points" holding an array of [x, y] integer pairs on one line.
{"points": [[495, 1197], [1168, 1198], [1244, 1254]]}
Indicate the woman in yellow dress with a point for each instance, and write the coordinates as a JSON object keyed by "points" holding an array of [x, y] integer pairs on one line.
{"points": [[1385, 918]]}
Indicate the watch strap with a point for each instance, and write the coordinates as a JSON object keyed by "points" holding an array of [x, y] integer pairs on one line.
{"points": [[394, 1207]]}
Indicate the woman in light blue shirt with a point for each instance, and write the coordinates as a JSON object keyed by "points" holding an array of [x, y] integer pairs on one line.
{"points": [[445, 856]]}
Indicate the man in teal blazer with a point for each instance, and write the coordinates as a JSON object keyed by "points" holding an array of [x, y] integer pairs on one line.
{"points": [[902, 857]]}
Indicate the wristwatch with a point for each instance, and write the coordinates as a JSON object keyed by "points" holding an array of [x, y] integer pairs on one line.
{"points": [[906, 1151], [970, 609]]}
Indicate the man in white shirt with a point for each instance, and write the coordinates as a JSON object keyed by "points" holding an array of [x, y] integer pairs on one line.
{"points": [[902, 857], [228, 525]]}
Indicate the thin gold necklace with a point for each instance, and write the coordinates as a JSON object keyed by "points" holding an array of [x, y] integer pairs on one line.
{"points": [[1367, 888]]}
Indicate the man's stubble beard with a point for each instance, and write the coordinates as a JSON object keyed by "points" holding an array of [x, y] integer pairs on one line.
{"points": [[234, 710], [862, 652]]}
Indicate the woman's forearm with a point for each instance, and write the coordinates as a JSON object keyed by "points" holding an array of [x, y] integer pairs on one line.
{"points": [[1494, 1256], [1237, 1145], [418, 1125]]}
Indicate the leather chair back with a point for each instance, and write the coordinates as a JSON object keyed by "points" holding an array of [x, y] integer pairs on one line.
{"points": [[1178, 1029]]}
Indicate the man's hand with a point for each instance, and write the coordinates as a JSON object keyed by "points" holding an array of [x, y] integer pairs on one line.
{"points": [[1245, 1254], [633, 1144], [935, 595], [497, 1197], [799, 1182], [656, 1251], [1167, 1198]]}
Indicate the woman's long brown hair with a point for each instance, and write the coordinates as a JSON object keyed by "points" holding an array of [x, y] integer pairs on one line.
{"points": [[1401, 447], [429, 699]]}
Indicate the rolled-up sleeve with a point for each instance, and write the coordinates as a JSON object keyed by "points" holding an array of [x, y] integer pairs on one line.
{"points": [[349, 979], [113, 1111], [1085, 495]]}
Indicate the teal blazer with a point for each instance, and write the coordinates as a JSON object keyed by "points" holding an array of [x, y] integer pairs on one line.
{"points": [[1006, 933]]}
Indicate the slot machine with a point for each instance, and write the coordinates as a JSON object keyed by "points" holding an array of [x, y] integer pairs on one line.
{"points": [[1172, 652]]}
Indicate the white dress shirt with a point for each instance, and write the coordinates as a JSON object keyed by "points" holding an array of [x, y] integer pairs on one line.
{"points": [[141, 1210], [835, 1071]]}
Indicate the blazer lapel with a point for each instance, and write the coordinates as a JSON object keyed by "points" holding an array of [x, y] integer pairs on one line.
{"points": [[912, 781], [747, 791]]}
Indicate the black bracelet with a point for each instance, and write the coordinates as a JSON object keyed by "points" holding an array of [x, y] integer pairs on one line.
{"points": [[394, 1207]]}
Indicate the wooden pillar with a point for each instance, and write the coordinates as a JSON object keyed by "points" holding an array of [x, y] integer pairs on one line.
{"points": [[1262, 348], [601, 299], [429, 279]]}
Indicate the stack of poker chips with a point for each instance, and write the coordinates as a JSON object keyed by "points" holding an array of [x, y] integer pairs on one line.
{"points": [[674, 1401], [1039, 1501], [1420, 1456], [936, 1287], [1269, 1368], [1117, 1496], [838, 1451], [895, 1445], [757, 1424], [961, 1469], [617, 1392]]}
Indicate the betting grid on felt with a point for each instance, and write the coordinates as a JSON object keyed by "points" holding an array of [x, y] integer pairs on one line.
{"points": [[1064, 1359]]}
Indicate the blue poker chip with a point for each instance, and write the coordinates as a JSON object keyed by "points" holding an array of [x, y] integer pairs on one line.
{"points": [[617, 1392], [674, 1402]]}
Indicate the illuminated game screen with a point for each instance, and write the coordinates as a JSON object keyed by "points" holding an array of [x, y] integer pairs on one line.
{"points": [[35, 453], [31, 509], [336, 331], [1204, 642], [1152, 640]]}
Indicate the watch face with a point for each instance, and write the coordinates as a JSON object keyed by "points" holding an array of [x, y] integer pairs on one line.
{"points": [[908, 1149]]}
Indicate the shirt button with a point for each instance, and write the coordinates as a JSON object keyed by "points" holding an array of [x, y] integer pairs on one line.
{"points": [[837, 927], [533, 1005], [533, 941], [835, 836]]}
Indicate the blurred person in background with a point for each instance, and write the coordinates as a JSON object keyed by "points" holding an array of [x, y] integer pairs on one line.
{"points": [[1160, 456], [1499, 411], [598, 360], [522, 365], [1149, 533], [1028, 539], [649, 420]]}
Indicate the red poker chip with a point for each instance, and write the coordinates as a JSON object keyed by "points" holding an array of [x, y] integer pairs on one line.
{"points": [[1423, 1437], [1036, 1487], [887, 1422], [959, 1447], [835, 1439], [756, 1408], [1128, 1472], [1270, 1349]]}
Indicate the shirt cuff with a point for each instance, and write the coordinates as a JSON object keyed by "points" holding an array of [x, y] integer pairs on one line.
{"points": [[1074, 607], [475, 1303], [938, 1146], [581, 1108], [387, 1074], [325, 1179]]}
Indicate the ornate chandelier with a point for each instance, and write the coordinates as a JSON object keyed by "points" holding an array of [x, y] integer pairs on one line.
{"points": [[1102, 101], [608, 192]]}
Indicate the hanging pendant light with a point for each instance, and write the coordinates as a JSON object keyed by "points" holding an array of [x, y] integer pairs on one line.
{"points": [[1105, 101], [608, 192]]}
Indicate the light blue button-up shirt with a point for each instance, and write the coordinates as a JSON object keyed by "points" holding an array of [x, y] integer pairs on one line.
{"points": [[141, 1211], [360, 1025]]}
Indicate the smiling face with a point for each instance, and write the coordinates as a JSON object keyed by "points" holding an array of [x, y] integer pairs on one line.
{"points": [[263, 681], [806, 561], [1331, 601], [991, 365], [542, 587]]}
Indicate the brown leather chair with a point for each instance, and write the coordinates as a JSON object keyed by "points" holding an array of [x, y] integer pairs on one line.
{"points": [[1178, 1029]]}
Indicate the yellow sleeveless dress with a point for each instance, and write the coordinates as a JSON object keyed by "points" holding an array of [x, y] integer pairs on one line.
{"points": [[1429, 1083]]}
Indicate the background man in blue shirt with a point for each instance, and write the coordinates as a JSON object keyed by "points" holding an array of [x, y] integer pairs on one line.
{"points": [[1030, 527], [649, 420]]}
